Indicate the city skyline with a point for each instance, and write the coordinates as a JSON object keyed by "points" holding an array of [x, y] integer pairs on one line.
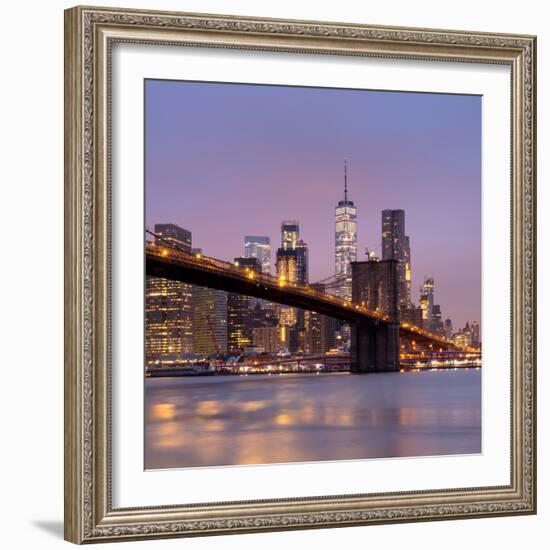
{"points": [[183, 186]]}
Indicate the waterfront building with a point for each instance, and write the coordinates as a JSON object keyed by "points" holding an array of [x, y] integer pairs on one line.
{"points": [[266, 338], [209, 321], [239, 312], [259, 247], [345, 239], [459, 339], [396, 246], [467, 332], [168, 304], [464, 337], [319, 330], [475, 334]]}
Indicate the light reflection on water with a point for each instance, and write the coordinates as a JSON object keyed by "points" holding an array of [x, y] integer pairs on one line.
{"points": [[213, 421]]}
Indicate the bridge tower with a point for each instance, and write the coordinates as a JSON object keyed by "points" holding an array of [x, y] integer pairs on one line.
{"points": [[374, 343]]}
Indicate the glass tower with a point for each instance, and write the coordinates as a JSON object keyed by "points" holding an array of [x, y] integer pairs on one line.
{"points": [[395, 246], [345, 240], [260, 248], [427, 302], [290, 229]]}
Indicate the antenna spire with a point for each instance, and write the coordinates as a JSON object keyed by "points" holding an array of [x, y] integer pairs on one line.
{"points": [[346, 179]]}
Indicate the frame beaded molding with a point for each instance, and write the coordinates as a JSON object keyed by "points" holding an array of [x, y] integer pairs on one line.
{"points": [[84, 521]]}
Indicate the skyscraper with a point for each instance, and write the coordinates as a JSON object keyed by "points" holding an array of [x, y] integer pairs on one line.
{"points": [[395, 246], [292, 265], [319, 330], [168, 307], [287, 265], [209, 321], [448, 329], [345, 240], [437, 322], [290, 231], [427, 302], [302, 263], [239, 313], [287, 272], [258, 247]]}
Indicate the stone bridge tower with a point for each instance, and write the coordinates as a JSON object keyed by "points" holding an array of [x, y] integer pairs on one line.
{"points": [[375, 344]]}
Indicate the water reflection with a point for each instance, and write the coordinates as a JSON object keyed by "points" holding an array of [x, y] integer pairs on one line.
{"points": [[292, 418]]}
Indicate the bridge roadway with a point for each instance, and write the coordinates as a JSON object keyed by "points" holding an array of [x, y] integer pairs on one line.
{"points": [[170, 263]]}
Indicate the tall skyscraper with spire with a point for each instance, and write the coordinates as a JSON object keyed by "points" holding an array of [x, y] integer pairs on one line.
{"points": [[345, 240]]}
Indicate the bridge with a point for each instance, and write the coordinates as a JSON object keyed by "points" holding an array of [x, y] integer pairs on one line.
{"points": [[375, 335]]}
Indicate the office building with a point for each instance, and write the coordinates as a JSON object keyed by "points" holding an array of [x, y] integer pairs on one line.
{"points": [[345, 239], [239, 312], [209, 321], [302, 263], [427, 302], [168, 304], [448, 329], [260, 248], [266, 338], [396, 246], [319, 330], [290, 231]]}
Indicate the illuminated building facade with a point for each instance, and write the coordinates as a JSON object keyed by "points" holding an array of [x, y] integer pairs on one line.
{"points": [[168, 304], [302, 263], [209, 321], [396, 246], [290, 231], [427, 302], [266, 338], [240, 313], [287, 272], [345, 240], [411, 314], [319, 330], [292, 267], [260, 248]]}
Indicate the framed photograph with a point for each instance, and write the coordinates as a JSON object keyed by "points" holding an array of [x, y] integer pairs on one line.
{"points": [[300, 274]]}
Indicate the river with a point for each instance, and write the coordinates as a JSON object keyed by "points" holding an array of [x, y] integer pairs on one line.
{"points": [[262, 419]]}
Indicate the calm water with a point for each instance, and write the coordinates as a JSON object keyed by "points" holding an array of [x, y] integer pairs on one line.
{"points": [[294, 418]]}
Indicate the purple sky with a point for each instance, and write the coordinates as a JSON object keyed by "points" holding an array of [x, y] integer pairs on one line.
{"points": [[228, 160]]}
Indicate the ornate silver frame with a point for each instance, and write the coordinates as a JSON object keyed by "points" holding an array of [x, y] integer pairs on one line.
{"points": [[89, 35]]}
